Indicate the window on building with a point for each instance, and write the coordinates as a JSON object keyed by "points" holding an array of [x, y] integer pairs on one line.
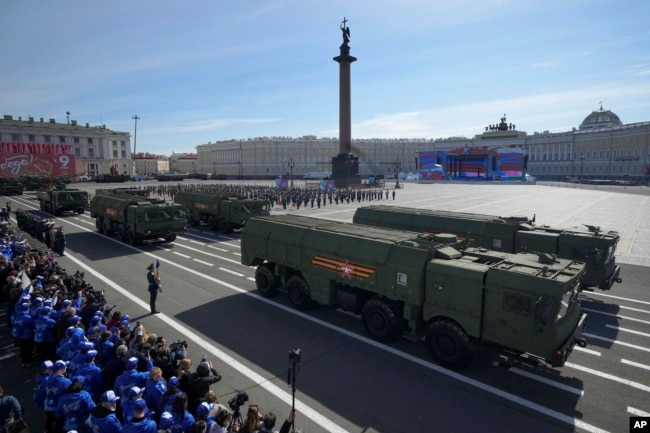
{"points": [[114, 153], [123, 153], [607, 154], [90, 141], [91, 152], [61, 139], [76, 140], [16, 138], [123, 143], [77, 151], [114, 143], [31, 138], [47, 139]]}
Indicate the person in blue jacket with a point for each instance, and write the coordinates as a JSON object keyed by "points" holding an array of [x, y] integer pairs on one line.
{"points": [[41, 380], [103, 417], [92, 374], [23, 331], [131, 377], [140, 423], [183, 420], [57, 385], [74, 408], [44, 334]]}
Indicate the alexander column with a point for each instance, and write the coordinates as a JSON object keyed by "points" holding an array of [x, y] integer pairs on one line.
{"points": [[345, 166]]}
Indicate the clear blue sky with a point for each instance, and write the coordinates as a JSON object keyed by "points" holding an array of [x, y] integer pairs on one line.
{"points": [[196, 71]]}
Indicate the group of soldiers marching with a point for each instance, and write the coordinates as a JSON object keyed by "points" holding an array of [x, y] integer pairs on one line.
{"points": [[42, 229]]}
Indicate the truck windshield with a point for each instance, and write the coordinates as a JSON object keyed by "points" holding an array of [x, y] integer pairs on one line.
{"points": [[164, 215], [565, 302]]}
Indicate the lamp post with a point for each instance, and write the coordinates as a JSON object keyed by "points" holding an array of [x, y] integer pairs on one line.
{"points": [[135, 134], [582, 166], [67, 114], [291, 165], [398, 165]]}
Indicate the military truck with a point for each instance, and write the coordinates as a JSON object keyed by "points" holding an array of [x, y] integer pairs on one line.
{"points": [[220, 212], [10, 187], [127, 191], [509, 234], [422, 286], [57, 202], [136, 219]]}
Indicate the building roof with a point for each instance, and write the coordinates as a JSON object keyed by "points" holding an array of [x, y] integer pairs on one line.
{"points": [[600, 119]]}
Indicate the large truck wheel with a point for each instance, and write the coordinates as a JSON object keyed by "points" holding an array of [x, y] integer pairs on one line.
{"points": [[449, 344], [133, 239], [80, 211], [99, 224], [380, 321], [225, 226], [171, 238], [212, 223], [265, 281], [298, 292]]}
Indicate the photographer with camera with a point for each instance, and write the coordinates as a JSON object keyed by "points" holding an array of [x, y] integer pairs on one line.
{"points": [[168, 357], [199, 383]]}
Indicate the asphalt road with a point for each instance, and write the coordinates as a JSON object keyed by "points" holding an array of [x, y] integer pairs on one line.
{"points": [[348, 383]]}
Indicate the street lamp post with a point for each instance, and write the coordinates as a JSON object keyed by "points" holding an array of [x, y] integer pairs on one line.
{"points": [[135, 134], [291, 165], [398, 165]]}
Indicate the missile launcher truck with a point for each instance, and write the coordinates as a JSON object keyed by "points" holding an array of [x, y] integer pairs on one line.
{"points": [[59, 201], [422, 286], [592, 246], [220, 212], [136, 219]]}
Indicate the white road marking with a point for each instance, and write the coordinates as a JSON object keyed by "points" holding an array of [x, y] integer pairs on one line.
{"points": [[589, 351], [636, 364], [632, 319], [544, 380], [637, 412], [203, 262], [217, 248], [182, 255], [619, 297], [630, 331], [231, 272], [622, 343], [611, 377]]}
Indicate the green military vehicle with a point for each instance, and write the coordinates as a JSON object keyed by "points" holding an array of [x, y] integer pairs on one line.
{"points": [[422, 286], [220, 212], [57, 202], [10, 187], [136, 219], [592, 246]]}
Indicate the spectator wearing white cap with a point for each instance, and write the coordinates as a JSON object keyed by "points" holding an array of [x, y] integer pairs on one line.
{"points": [[165, 423], [139, 422], [41, 379], [57, 385], [75, 407], [133, 394], [103, 417]]}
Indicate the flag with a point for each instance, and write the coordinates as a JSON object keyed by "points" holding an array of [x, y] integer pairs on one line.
{"points": [[157, 263]]}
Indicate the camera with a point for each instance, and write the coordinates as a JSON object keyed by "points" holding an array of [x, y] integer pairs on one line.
{"points": [[294, 356], [178, 344], [237, 401]]}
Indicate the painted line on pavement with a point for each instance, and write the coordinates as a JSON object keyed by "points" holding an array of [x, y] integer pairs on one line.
{"points": [[630, 331], [619, 297], [635, 364], [616, 316], [231, 272], [545, 380], [637, 412], [589, 351], [611, 377], [622, 343]]}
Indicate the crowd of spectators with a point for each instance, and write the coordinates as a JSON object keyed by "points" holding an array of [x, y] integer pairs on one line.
{"points": [[98, 372]]}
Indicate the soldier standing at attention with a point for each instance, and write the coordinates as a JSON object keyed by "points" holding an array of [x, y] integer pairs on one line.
{"points": [[59, 241], [154, 287]]}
